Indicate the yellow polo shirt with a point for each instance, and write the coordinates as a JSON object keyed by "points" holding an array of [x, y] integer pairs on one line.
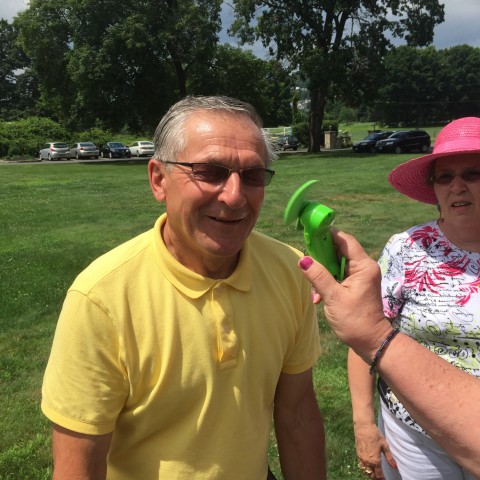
{"points": [[181, 368]]}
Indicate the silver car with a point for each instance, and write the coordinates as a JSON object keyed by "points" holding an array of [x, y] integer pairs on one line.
{"points": [[54, 150], [143, 148], [84, 150]]}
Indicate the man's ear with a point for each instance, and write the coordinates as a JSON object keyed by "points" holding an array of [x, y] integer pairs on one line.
{"points": [[157, 179]]}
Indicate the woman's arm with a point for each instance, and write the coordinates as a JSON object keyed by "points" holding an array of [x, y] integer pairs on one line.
{"points": [[441, 398], [369, 441]]}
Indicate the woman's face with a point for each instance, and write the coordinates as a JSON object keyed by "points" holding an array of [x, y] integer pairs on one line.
{"points": [[457, 187]]}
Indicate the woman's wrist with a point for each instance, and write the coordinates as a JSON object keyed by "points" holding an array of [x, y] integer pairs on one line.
{"points": [[384, 345], [367, 348]]}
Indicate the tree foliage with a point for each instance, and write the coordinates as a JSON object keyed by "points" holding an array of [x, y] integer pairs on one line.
{"points": [[7, 64], [99, 61], [120, 64], [240, 74], [337, 45], [18, 88], [429, 86]]}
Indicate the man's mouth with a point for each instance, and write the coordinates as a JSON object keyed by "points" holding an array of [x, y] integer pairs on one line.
{"points": [[460, 204], [227, 220]]}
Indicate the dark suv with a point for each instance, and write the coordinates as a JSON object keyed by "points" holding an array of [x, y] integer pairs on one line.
{"points": [[404, 141], [285, 143], [369, 142]]}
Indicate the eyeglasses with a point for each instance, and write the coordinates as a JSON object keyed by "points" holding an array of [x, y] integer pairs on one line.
{"points": [[215, 174], [446, 178]]}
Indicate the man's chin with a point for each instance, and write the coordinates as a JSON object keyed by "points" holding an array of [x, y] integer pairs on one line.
{"points": [[220, 249]]}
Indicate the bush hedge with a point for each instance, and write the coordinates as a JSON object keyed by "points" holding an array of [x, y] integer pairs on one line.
{"points": [[23, 138]]}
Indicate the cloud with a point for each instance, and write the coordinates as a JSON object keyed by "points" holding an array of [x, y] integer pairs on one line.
{"points": [[227, 18], [460, 25], [10, 8]]}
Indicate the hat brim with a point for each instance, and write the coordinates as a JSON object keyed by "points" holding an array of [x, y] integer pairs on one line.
{"points": [[411, 178]]}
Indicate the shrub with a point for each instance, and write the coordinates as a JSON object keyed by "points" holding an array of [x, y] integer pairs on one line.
{"points": [[329, 125], [96, 135], [347, 115], [26, 136], [302, 132]]}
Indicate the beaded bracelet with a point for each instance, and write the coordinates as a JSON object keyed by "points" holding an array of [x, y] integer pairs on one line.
{"points": [[381, 349]]}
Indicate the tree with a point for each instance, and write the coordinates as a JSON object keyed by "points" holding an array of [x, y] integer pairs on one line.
{"points": [[411, 94], [240, 74], [7, 64], [113, 62], [337, 45], [429, 86], [347, 115], [18, 89], [461, 81]]}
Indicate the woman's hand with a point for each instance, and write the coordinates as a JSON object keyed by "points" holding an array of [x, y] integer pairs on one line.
{"points": [[353, 307], [370, 444]]}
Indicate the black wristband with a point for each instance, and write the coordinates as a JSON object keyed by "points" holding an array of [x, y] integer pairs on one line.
{"points": [[381, 349]]}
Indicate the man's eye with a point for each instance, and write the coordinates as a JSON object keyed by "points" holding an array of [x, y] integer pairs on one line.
{"points": [[210, 173]]}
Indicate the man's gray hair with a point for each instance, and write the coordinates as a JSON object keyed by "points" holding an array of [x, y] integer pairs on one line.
{"points": [[170, 138]]}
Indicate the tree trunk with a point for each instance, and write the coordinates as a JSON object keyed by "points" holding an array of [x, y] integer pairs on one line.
{"points": [[317, 109], [181, 73]]}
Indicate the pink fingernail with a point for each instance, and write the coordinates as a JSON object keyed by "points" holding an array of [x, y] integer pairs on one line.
{"points": [[305, 263]]}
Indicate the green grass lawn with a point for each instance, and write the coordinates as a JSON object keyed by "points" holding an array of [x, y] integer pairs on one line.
{"points": [[55, 219]]}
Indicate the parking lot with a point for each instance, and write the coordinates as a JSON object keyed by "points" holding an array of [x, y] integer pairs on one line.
{"points": [[74, 160], [104, 160]]}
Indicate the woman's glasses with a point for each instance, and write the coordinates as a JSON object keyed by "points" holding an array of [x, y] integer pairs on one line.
{"points": [[446, 178], [215, 174]]}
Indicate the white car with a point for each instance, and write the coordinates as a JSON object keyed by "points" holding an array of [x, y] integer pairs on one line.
{"points": [[143, 148]]}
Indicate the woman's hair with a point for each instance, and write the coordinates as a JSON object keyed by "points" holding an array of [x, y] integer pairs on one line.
{"points": [[169, 135]]}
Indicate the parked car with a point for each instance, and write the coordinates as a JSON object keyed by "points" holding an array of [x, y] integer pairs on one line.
{"points": [[404, 141], [286, 142], [143, 148], [54, 151], [84, 150], [368, 143], [114, 150]]}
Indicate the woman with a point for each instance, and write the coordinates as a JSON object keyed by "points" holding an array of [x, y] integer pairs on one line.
{"points": [[430, 290]]}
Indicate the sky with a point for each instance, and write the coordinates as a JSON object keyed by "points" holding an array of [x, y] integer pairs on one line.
{"points": [[460, 26]]}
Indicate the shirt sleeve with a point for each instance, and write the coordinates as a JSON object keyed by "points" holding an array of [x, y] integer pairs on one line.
{"points": [[307, 347], [393, 278], [85, 385]]}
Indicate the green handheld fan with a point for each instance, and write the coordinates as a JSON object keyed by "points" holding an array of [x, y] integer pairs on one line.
{"points": [[316, 220]]}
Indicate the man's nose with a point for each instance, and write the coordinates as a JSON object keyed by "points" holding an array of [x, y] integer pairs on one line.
{"points": [[232, 191]]}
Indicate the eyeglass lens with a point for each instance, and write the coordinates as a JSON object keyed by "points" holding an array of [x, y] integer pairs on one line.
{"points": [[211, 173], [446, 178]]}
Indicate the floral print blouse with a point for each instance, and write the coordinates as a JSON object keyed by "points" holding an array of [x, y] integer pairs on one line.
{"points": [[430, 289]]}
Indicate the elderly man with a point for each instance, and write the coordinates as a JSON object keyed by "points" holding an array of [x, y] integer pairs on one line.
{"points": [[173, 350]]}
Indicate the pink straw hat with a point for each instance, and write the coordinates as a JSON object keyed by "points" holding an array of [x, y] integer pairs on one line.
{"points": [[411, 178]]}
